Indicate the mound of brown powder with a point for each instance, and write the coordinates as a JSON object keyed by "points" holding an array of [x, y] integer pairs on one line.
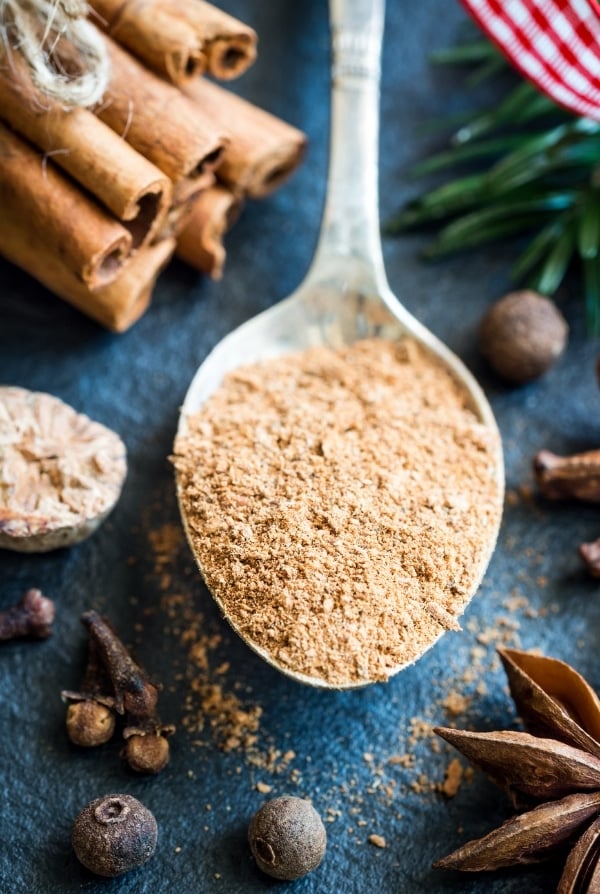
{"points": [[342, 505]]}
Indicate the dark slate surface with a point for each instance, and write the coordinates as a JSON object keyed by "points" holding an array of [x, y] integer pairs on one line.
{"points": [[135, 383]]}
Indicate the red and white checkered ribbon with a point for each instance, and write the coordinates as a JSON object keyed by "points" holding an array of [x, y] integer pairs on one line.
{"points": [[553, 43]]}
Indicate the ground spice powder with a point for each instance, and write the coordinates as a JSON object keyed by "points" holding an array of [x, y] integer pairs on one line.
{"points": [[341, 504]]}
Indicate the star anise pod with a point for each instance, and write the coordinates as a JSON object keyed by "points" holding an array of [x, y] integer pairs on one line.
{"points": [[553, 769]]}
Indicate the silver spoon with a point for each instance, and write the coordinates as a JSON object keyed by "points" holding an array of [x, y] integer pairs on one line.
{"points": [[345, 295]]}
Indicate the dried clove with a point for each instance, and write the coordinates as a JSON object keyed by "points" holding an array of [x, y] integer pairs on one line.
{"points": [[567, 477], [146, 746], [590, 554], [90, 719], [31, 617], [572, 477]]}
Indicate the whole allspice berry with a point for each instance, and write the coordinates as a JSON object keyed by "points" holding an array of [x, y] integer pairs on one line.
{"points": [[287, 837], [114, 834], [522, 335]]}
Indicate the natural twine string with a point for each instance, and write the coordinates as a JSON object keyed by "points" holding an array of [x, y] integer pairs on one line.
{"points": [[34, 28]]}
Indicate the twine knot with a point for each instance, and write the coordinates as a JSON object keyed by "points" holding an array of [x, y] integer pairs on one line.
{"points": [[37, 29]]}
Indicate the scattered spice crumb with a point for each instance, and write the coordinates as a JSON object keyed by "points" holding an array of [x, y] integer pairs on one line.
{"points": [[453, 779], [263, 787], [377, 840], [422, 784], [219, 712], [420, 729], [516, 602], [455, 703]]}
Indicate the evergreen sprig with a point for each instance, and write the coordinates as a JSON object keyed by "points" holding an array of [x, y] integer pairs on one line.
{"points": [[534, 172]]}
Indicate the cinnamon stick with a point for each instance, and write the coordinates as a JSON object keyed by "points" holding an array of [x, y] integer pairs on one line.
{"points": [[160, 122], [184, 196], [122, 303], [116, 305], [135, 190], [200, 242], [69, 225], [157, 36], [189, 188], [175, 220], [229, 46], [180, 39], [263, 150]]}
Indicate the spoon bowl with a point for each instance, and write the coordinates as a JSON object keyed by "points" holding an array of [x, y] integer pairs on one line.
{"points": [[345, 296]]}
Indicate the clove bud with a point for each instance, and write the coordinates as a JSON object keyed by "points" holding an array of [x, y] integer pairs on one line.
{"points": [[146, 746], [90, 717], [590, 554], [31, 617], [567, 477], [572, 477]]}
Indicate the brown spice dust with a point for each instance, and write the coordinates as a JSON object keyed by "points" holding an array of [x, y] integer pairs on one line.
{"points": [[377, 840], [342, 505], [453, 778]]}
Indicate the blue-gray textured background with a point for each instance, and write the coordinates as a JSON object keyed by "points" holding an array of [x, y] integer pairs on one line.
{"points": [[342, 741]]}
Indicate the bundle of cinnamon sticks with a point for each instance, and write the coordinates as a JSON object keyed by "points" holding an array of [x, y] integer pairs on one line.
{"points": [[95, 202]]}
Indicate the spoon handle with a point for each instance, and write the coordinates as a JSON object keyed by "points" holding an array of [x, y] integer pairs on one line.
{"points": [[349, 245]]}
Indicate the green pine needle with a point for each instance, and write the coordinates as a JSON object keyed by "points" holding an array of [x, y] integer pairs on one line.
{"points": [[588, 234], [491, 148], [530, 169], [535, 251], [556, 263], [591, 271], [473, 51]]}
